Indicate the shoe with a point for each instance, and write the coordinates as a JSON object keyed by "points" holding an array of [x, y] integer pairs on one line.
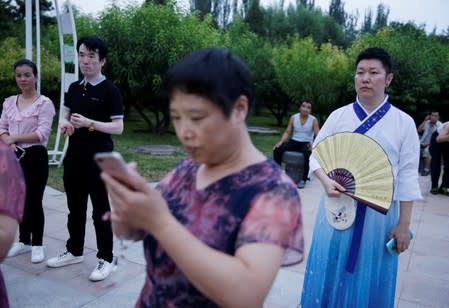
{"points": [[444, 191], [301, 184], [64, 259], [18, 249], [434, 190], [37, 254], [102, 270]]}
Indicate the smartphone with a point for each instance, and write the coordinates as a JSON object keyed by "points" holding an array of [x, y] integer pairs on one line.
{"points": [[391, 244], [113, 164], [20, 152]]}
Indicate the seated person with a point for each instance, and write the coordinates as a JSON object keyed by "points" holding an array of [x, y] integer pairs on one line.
{"points": [[304, 127]]}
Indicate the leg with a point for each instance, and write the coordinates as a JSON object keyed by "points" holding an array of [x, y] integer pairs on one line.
{"points": [[435, 165], [25, 225], [75, 179], [290, 145], [445, 154], [306, 153], [427, 161], [277, 154], [37, 164], [100, 205]]}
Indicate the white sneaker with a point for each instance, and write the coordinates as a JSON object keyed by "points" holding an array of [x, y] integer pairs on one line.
{"points": [[102, 270], [37, 254], [64, 259], [18, 249]]}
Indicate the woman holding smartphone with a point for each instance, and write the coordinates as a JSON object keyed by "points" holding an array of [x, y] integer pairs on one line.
{"points": [[25, 124], [217, 227]]}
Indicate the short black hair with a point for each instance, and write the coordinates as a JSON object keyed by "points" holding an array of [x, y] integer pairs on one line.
{"points": [[376, 53], [214, 73], [308, 101], [27, 63], [93, 43]]}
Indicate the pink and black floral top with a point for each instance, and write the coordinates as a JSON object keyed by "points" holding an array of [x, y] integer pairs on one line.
{"points": [[12, 197], [257, 204]]}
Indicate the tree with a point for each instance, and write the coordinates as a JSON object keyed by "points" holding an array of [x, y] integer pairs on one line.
{"points": [[257, 53], [9, 17], [420, 66], [143, 43], [222, 10], [307, 4], [302, 22], [254, 17], [337, 11], [306, 71], [381, 17], [158, 2], [367, 25]]}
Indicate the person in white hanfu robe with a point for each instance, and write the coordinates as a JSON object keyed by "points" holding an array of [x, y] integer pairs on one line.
{"points": [[372, 283]]}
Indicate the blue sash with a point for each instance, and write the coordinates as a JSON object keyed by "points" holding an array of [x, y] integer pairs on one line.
{"points": [[361, 207]]}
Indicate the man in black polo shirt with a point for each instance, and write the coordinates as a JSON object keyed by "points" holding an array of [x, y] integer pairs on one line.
{"points": [[93, 111]]}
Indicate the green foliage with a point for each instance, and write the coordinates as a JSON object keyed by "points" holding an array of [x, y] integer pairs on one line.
{"points": [[420, 66], [9, 17], [302, 22], [11, 51], [144, 42], [306, 72], [254, 17]]}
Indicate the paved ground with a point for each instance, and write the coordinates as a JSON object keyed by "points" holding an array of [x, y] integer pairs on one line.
{"points": [[423, 279]]}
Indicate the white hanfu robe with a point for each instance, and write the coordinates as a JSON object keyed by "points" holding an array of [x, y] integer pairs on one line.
{"points": [[373, 282]]}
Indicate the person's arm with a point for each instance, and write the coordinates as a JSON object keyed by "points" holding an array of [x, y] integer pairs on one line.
{"points": [[254, 275], [286, 133], [401, 230], [65, 126], [115, 127], [443, 136], [316, 130], [421, 126], [316, 127], [8, 229], [144, 208]]}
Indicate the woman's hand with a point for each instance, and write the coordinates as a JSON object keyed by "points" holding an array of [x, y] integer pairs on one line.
{"points": [[401, 233], [136, 204], [66, 128], [332, 188], [9, 140]]}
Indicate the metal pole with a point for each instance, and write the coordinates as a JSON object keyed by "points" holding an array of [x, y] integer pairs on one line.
{"points": [[29, 29], [38, 44]]}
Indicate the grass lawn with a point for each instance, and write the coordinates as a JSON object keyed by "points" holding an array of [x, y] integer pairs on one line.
{"points": [[154, 167]]}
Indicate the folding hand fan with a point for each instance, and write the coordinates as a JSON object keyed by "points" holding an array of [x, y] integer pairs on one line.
{"points": [[358, 163]]}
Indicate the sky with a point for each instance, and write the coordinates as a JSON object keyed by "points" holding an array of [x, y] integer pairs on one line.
{"points": [[432, 13]]}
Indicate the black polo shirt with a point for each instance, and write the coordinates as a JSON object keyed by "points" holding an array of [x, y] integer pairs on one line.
{"points": [[100, 101]]}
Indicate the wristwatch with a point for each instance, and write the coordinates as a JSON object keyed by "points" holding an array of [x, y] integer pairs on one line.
{"points": [[91, 127]]}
